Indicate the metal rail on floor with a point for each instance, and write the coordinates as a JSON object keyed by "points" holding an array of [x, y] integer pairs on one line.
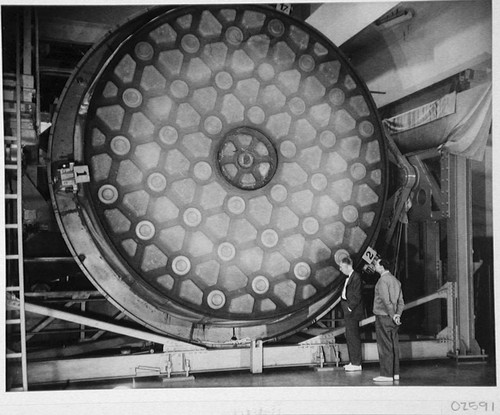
{"points": [[181, 360], [180, 364]]}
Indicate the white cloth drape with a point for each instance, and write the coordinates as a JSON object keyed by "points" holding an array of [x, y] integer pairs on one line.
{"points": [[469, 135]]}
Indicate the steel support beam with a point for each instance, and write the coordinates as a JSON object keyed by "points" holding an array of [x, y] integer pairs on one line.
{"points": [[432, 274], [408, 350], [44, 323], [182, 364], [179, 363], [86, 347], [460, 265], [114, 328]]}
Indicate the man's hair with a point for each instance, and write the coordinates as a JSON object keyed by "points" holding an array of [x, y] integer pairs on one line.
{"points": [[385, 263], [346, 260]]}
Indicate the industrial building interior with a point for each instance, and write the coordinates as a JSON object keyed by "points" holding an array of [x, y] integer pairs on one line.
{"points": [[181, 183]]}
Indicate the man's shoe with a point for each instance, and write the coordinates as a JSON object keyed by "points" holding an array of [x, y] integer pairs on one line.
{"points": [[382, 379], [352, 368], [349, 365], [396, 377]]}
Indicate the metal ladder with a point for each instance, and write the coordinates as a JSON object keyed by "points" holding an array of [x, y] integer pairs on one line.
{"points": [[14, 275]]}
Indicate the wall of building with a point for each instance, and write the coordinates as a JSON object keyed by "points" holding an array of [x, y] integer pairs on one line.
{"points": [[447, 38]]}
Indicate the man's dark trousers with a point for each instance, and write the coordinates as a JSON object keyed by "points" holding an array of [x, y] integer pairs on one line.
{"points": [[354, 300], [353, 339], [388, 345]]}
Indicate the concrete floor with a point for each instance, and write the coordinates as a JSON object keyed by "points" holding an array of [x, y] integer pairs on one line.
{"points": [[415, 373]]}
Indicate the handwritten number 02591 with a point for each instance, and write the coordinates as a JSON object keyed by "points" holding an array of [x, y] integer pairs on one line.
{"points": [[482, 406]]}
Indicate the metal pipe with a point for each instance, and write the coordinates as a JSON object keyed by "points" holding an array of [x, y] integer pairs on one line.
{"points": [[50, 259], [66, 295]]}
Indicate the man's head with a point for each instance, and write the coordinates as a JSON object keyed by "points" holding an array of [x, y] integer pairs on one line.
{"points": [[381, 265], [346, 265]]}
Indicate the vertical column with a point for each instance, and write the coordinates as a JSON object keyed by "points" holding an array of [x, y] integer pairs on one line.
{"points": [[27, 44], [459, 236], [432, 274], [256, 356]]}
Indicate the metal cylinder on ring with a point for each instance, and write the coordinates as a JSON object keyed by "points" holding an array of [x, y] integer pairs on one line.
{"points": [[235, 157]]}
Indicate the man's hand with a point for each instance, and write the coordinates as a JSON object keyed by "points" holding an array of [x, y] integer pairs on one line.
{"points": [[397, 319]]}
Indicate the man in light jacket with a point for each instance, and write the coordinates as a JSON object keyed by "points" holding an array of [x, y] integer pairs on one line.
{"points": [[388, 305]]}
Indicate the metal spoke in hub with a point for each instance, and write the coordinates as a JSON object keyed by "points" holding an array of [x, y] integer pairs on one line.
{"points": [[247, 159]]}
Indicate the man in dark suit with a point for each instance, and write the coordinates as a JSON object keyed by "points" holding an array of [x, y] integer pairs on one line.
{"points": [[352, 306]]}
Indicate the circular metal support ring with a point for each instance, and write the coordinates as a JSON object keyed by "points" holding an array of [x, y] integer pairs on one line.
{"points": [[171, 232]]}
